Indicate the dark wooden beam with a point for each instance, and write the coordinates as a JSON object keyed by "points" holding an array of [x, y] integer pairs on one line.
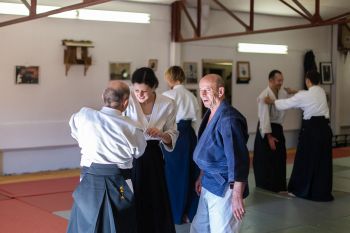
{"points": [[278, 29], [251, 16], [338, 17], [296, 10], [26, 4], [184, 8], [303, 8], [199, 17], [176, 21], [232, 14], [85, 3], [33, 7]]}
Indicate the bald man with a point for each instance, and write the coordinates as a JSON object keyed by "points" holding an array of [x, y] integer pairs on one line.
{"points": [[222, 156], [103, 202]]}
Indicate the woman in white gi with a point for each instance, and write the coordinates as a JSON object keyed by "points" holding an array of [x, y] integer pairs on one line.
{"points": [[180, 170], [156, 115]]}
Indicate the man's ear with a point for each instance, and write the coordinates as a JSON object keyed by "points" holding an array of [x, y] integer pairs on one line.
{"points": [[221, 91], [125, 103]]}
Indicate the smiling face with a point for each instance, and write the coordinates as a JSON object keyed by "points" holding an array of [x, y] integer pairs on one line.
{"points": [[142, 92], [277, 81], [210, 94]]}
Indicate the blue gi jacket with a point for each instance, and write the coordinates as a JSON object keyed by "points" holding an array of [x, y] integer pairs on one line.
{"points": [[221, 152]]}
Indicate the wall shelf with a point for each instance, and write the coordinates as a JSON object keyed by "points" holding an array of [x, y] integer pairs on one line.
{"points": [[76, 53]]}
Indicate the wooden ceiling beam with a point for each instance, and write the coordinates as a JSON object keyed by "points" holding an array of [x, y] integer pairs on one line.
{"points": [[33, 7], [83, 4], [296, 10], [232, 14], [306, 12], [314, 21], [278, 29], [26, 4]]}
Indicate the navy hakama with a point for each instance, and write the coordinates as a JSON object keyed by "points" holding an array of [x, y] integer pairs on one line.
{"points": [[103, 202], [181, 173], [312, 171], [270, 166], [151, 195]]}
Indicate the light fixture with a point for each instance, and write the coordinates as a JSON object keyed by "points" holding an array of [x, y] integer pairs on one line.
{"points": [[262, 48], [83, 14]]}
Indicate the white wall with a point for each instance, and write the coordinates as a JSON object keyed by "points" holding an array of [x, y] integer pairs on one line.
{"points": [[35, 116]]}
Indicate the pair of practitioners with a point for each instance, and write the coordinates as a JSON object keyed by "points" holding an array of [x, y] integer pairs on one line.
{"points": [[103, 202], [312, 174]]}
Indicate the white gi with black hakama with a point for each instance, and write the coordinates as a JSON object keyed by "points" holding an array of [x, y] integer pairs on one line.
{"points": [[151, 195], [312, 171], [270, 165]]}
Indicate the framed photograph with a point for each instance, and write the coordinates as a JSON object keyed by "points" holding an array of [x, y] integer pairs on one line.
{"points": [[27, 75], [119, 71], [243, 72], [326, 72], [153, 64], [190, 69]]}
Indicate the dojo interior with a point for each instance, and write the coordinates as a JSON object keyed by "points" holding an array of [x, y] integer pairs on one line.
{"points": [[39, 160]]}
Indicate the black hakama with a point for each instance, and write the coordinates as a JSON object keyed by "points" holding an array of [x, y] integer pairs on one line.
{"points": [[151, 195], [103, 202], [181, 173], [270, 166], [312, 171]]}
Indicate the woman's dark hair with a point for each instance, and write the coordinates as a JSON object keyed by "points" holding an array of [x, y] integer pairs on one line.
{"points": [[313, 76], [145, 75]]}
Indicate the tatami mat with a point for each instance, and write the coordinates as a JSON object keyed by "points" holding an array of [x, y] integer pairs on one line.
{"points": [[50, 202], [41, 203], [40, 187], [3, 197], [19, 217]]}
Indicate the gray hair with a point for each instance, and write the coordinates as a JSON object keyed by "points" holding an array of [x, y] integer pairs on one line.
{"points": [[113, 97]]}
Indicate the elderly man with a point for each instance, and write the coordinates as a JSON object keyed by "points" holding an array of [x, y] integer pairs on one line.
{"points": [[103, 202], [222, 156]]}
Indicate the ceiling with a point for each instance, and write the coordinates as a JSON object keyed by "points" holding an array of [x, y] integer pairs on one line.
{"points": [[328, 8]]}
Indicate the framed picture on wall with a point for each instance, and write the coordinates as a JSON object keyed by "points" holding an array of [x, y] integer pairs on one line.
{"points": [[27, 75], [190, 69], [326, 72], [153, 64], [119, 71], [243, 72]]}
